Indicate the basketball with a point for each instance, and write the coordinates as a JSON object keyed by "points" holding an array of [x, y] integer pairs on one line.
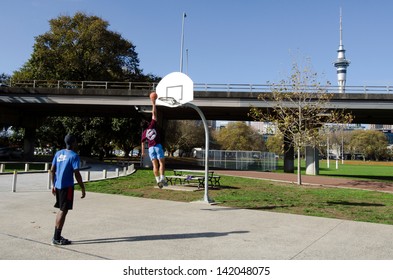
{"points": [[153, 96]]}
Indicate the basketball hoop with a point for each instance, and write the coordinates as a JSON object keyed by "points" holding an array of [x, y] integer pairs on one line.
{"points": [[172, 102], [177, 89]]}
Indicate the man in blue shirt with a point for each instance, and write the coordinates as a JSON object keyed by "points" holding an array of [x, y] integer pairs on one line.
{"points": [[65, 166]]}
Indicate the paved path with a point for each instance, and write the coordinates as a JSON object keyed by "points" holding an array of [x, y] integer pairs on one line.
{"points": [[115, 227]]}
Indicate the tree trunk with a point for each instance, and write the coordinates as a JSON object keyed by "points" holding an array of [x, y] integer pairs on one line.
{"points": [[299, 174]]}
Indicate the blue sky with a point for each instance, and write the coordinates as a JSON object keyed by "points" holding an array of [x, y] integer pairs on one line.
{"points": [[247, 41]]}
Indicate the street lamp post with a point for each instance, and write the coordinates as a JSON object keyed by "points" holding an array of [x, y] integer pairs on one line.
{"points": [[182, 43]]}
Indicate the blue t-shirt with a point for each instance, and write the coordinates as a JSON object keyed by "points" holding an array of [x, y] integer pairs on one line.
{"points": [[66, 162]]}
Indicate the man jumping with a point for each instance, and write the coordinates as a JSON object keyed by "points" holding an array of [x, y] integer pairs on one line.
{"points": [[156, 151]]}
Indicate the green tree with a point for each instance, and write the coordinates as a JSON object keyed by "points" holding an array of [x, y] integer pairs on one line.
{"points": [[81, 48], [184, 135], [4, 79], [275, 144], [126, 133], [239, 136], [87, 130], [371, 143]]}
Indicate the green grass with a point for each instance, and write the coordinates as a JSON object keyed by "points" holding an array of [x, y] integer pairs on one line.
{"points": [[348, 204], [359, 170], [364, 170], [20, 166]]}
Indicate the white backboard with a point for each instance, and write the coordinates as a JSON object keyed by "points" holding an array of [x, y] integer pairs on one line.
{"points": [[176, 85]]}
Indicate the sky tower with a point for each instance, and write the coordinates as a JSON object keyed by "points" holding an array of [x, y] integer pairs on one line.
{"points": [[341, 63]]}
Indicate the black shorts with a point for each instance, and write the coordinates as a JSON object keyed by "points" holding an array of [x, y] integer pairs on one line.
{"points": [[64, 198]]}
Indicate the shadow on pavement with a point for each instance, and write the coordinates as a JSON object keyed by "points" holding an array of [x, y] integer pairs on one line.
{"points": [[158, 237]]}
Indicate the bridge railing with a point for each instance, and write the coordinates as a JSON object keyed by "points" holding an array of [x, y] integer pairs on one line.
{"points": [[268, 88], [232, 87], [369, 89], [82, 84], [201, 87]]}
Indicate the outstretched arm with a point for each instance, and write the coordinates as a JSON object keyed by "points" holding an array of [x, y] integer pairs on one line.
{"points": [[154, 110]]}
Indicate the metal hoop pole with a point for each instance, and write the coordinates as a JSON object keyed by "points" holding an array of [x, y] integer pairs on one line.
{"points": [[206, 195]]}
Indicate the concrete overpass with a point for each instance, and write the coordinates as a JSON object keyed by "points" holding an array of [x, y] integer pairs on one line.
{"points": [[24, 102]]}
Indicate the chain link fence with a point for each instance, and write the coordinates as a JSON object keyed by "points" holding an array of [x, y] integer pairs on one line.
{"points": [[239, 160]]}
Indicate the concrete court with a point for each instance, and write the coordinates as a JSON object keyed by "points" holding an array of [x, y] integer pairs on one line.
{"points": [[116, 227]]}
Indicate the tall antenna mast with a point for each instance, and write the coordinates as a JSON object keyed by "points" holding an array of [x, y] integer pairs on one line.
{"points": [[341, 29], [341, 63]]}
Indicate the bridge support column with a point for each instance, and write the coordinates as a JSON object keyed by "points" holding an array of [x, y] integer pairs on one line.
{"points": [[29, 143], [30, 123], [312, 161], [289, 156]]}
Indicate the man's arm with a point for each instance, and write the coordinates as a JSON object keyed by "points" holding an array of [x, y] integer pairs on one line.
{"points": [[154, 110], [143, 148], [52, 173], [78, 178]]}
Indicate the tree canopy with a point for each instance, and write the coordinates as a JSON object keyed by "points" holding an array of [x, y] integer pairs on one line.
{"points": [[239, 136], [184, 135], [81, 48], [275, 144], [371, 143]]}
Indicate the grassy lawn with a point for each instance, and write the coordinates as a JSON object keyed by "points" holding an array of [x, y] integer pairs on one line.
{"points": [[365, 170], [357, 205], [20, 166]]}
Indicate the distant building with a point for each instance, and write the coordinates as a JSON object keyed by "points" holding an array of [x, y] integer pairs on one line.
{"points": [[263, 127], [381, 126]]}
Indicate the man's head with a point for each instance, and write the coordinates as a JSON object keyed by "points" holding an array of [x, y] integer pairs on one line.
{"points": [[144, 124], [70, 141]]}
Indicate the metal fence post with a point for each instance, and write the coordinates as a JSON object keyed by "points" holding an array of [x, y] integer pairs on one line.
{"points": [[14, 181], [87, 177], [49, 180]]}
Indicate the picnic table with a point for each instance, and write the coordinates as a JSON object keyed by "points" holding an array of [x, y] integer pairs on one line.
{"points": [[187, 176]]}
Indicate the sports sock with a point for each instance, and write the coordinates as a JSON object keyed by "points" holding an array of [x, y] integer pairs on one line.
{"points": [[158, 179], [162, 178], [57, 234]]}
